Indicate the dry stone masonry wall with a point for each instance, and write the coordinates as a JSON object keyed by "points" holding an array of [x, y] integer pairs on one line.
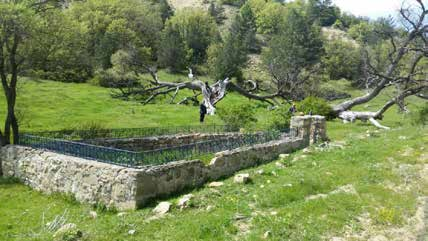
{"points": [[127, 188], [158, 142]]}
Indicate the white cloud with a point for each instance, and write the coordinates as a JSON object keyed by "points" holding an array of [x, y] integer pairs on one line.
{"points": [[371, 8]]}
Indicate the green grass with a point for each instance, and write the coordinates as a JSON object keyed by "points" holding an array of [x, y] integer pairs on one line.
{"points": [[48, 105], [364, 163]]}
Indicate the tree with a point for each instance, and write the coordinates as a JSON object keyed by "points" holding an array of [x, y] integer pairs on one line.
{"points": [[227, 59], [18, 25], [217, 12], [197, 29], [117, 23], [292, 55], [405, 71], [173, 52], [342, 59], [322, 11], [164, 8], [60, 49]]}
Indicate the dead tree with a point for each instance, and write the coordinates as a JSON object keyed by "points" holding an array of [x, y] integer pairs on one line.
{"points": [[412, 81]]}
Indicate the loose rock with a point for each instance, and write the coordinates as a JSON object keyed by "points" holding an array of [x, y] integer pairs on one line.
{"points": [[284, 156], [93, 214], [215, 184], [69, 231], [242, 178], [162, 208], [267, 234], [131, 232], [279, 165], [184, 201]]}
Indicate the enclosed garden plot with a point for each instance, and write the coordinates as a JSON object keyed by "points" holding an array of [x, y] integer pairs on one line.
{"points": [[146, 146]]}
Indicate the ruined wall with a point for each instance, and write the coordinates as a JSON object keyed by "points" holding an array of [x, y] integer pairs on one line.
{"points": [[127, 188], [89, 181], [158, 142]]}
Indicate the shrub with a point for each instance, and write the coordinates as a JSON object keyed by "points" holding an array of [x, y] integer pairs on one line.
{"points": [[238, 116], [280, 118], [316, 106], [421, 116]]}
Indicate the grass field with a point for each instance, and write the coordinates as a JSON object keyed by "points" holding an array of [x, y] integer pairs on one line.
{"points": [[387, 169]]}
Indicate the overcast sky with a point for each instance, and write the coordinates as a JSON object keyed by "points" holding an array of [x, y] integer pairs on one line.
{"points": [[371, 8]]}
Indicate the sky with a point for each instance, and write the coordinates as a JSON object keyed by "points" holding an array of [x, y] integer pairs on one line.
{"points": [[370, 8]]}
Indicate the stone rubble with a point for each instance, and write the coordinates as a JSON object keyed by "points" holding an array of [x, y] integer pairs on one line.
{"points": [[242, 178], [184, 201], [162, 208]]}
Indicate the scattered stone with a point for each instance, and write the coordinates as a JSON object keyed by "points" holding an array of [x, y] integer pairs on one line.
{"points": [[210, 207], [274, 174], [93, 214], [262, 186], [162, 208], [69, 231], [288, 185], [242, 178], [260, 172], [314, 197], [408, 151], [349, 189], [268, 181], [267, 234], [215, 184], [274, 213], [279, 165], [306, 150], [284, 156], [121, 214], [184, 201], [131, 232]]}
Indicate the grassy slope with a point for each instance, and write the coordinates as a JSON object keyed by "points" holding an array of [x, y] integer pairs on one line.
{"points": [[364, 163]]}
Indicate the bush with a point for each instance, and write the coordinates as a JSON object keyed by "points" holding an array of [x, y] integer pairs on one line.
{"points": [[238, 116], [280, 118], [316, 106], [421, 116]]}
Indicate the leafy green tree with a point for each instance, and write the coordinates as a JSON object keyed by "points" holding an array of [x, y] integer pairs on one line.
{"points": [[362, 32], [60, 49], [238, 116], [270, 18], [173, 52], [227, 59], [115, 23], [292, 54], [18, 25], [342, 59], [323, 12], [164, 8], [217, 12], [198, 30]]}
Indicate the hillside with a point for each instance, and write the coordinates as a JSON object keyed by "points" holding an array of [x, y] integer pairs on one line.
{"points": [[353, 190]]}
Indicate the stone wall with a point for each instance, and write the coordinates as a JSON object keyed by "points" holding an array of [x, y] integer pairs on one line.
{"points": [[127, 188], [89, 181], [158, 142]]}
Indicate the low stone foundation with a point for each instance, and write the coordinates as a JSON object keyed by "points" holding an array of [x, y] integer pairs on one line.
{"points": [[158, 142], [128, 188]]}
